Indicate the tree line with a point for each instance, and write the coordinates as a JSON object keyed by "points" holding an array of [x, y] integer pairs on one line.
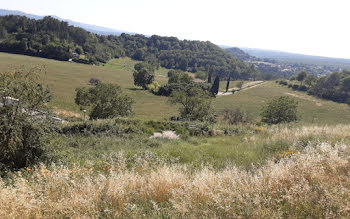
{"points": [[54, 39], [335, 86]]}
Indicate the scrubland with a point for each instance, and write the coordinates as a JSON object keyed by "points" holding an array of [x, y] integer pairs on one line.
{"points": [[307, 178]]}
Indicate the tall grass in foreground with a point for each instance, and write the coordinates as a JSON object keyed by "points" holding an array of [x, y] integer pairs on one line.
{"points": [[314, 183]]}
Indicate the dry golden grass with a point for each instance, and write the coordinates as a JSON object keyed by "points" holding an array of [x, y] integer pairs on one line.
{"points": [[314, 183]]}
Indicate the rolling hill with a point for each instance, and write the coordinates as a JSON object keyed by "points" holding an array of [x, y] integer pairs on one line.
{"points": [[91, 28], [64, 77]]}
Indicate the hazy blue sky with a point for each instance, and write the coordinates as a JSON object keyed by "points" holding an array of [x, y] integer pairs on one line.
{"points": [[315, 27]]}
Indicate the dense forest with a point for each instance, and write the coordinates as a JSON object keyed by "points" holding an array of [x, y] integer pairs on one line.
{"points": [[54, 39]]}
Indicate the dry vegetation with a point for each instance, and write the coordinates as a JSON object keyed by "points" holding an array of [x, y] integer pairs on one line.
{"points": [[309, 182]]}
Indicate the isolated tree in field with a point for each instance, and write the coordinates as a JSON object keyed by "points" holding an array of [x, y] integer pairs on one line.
{"points": [[104, 100], [228, 83], [280, 110], [215, 88], [301, 76], [23, 134], [196, 104], [143, 74]]}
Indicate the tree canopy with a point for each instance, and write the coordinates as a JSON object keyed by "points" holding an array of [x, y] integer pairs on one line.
{"points": [[280, 110], [104, 101], [196, 104], [51, 38]]}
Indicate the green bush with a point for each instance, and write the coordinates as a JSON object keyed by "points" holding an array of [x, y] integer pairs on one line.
{"points": [[283, 82], [236, 116], [195, 104], [280, 110], [24, 120], [302, 88], [295, 87], [104, 100]]}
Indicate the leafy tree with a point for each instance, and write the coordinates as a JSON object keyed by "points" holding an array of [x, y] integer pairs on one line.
{"points": [[23, 128], [346, 84], [309, 80], [301, 76], [215, 88], [51, 38], [143, 74], [196, 104], [180, 77], [280, 110], [202, 75], [104, 100]]}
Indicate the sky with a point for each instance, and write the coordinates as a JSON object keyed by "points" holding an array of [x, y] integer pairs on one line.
{"points": [[312, 27]]}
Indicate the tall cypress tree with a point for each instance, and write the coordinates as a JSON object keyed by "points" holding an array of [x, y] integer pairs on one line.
{"points": [[209, 77], [215, 88], [228, 83]]}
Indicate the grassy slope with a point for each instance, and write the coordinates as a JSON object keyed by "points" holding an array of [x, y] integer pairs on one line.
{"points": [[323, 111], [64, 77]]}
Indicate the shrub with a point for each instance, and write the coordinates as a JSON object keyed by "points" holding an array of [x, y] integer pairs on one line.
{"points": [[180, 77], [168, 89], [202, 75], [236, 116], [280, 110], [290, 85], [283, 82], [239, 84], [173, 72], [105, 101], [302, 88], [154, 87], [295, 87], [196, 104], [23, 134], [94, 81]]}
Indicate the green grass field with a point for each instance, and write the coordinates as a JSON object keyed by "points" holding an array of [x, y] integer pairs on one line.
{"points": [[65, 77], [310, 108]]}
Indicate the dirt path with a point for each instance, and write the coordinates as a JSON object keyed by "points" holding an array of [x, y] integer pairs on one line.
{"points": [[305, 98], [245, 87]]}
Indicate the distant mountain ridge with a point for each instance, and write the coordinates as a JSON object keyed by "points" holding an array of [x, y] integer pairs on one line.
{"points": [[287, 64], [91, 28], [294, 57]]}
